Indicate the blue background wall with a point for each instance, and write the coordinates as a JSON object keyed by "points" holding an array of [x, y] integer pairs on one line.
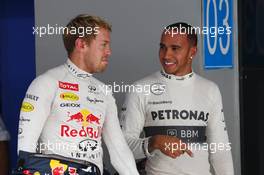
{"points": [[17, 62]]}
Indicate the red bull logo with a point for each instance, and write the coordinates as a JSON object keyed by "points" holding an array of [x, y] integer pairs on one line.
{"points": [[67, 131], [76, 117], [57, 168], [85, 117], [92, 119]]}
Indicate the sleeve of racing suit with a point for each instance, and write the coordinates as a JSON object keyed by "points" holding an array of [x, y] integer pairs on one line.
{"points": [[120, 155], [220, 156], [34, 112], [132, 122]]}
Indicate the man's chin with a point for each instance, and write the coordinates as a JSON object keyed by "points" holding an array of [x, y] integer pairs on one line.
{"points": [[102, 69], [167, 71]]}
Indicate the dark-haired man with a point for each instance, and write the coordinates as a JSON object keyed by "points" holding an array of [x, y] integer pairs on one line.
{"points": [[182, 118], [61, 128]]}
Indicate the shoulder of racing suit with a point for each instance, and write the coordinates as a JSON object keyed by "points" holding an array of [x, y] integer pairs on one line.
{"points": [[206, 86]]}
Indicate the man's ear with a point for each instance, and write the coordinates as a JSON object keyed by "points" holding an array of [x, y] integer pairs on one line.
{"points": [[193, 51], [80, 44]]}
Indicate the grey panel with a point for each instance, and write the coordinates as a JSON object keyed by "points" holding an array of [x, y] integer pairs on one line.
{"points": [[136, 32]]}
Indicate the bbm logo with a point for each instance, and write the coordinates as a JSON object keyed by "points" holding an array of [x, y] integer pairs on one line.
{"points": [[172, 132]]}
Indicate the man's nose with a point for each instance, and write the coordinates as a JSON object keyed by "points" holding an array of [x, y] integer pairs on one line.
{"points": [[108, 52], [168, 53]]}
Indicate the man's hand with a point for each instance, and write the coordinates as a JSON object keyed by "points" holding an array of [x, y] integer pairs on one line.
{"points": [[168, 145]]}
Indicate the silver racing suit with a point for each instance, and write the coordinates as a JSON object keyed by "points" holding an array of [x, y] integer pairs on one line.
{"points": [[188, 107]]}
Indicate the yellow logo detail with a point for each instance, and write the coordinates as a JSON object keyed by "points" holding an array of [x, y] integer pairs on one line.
{"points": [[69, 96], [85, 113], [57, 167], [27, 107]]}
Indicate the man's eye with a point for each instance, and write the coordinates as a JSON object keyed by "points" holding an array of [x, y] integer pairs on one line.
{"points": [[175, 48]]}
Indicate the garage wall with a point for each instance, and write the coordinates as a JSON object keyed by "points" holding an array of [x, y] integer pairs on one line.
{"points": [[135, 41]]}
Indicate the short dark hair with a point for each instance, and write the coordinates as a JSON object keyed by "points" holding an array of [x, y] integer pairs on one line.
{"points": [[189, 31]]}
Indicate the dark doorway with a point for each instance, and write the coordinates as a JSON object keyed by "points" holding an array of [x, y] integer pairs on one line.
{"points": [[251, 58]]}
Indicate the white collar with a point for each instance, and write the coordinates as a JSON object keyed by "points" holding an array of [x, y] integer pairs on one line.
{"points": [[174, 77], [79, 73]]}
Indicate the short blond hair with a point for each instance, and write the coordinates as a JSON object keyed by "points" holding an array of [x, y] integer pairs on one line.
{"points": [[82, 21]]}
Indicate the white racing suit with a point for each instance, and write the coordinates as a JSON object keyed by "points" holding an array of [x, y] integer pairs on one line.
{"points": [[188, 107], [66, 112]]}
